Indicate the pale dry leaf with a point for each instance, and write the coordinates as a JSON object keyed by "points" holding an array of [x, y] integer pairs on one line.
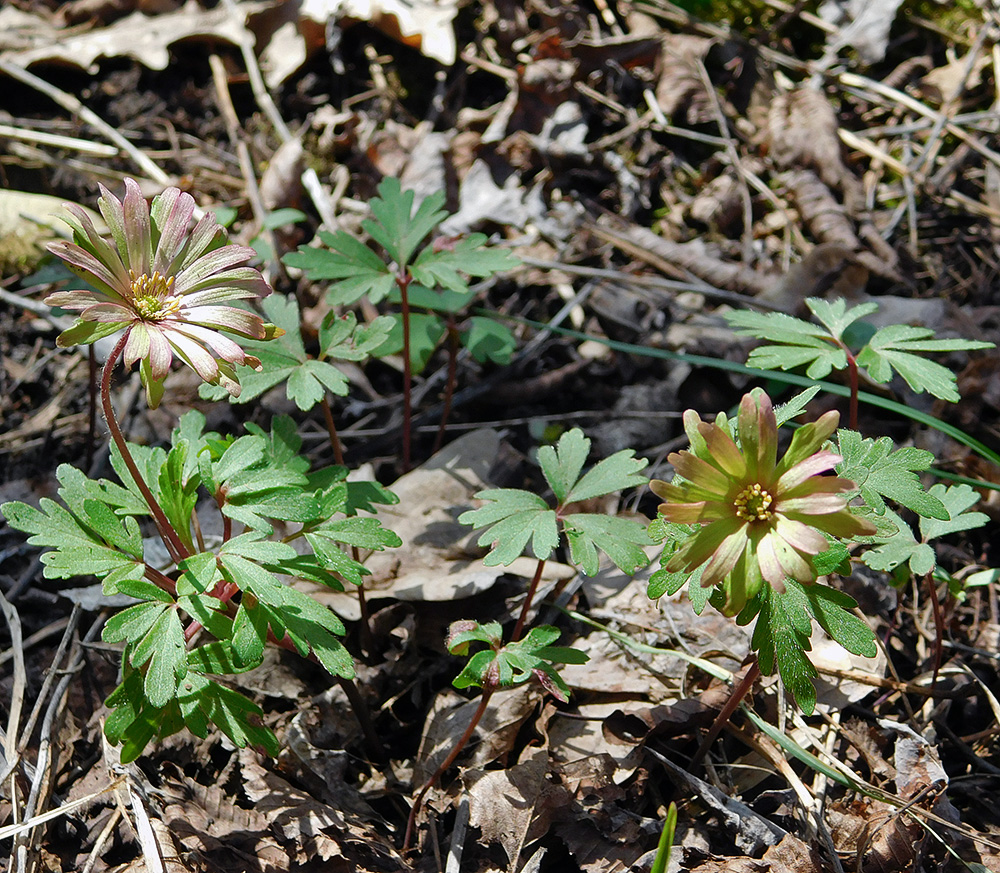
{"points": [[802, 131], [426, 25], [862, 24], [308, 829], [502, 803], [680, 90], [144, 38]]}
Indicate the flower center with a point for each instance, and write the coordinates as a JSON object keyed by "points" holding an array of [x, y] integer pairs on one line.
{"points": [[151, 296], [752, 504]]}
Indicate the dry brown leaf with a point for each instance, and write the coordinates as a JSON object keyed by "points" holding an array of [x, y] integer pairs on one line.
{"points": [[680, 91], [509, 708], [308, 829], [503, 803], [802, 131]]}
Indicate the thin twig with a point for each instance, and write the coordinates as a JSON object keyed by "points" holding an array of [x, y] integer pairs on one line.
{"points": [[74, 106]]}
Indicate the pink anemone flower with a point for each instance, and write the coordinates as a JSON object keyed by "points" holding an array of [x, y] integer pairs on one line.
{"points": [[165, 283], [760, 520]]}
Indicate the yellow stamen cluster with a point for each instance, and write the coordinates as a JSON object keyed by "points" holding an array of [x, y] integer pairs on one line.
{"points": [[752, 504], [151, 295]]}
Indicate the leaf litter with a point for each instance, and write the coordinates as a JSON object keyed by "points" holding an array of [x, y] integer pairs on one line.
{"points": [[785, 158]]}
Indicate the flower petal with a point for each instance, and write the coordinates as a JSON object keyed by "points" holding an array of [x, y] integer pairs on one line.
{"points": [[801, 535], [160, 357], [137, 230], [171, 216], [114, 217], [807, 439], [136, 346], [90, 240], [723, 452], [839, 524], [725, 556], [221, 345], [230, 318], [758, 430], [792, 562], [699, 512], [210, 265], [88, 267], [701, 474], [803, 470], [698, 548]]}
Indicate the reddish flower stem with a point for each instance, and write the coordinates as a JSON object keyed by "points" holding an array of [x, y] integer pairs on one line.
{"points": [[726, 713], [178, 551]]}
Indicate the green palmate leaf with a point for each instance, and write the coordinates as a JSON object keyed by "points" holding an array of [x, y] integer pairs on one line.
{"points": [[191, 429], [153, 635], [179, 483], [342, 339], [621, 539], [880, 472], [474, 672], [512, 518], [903, 548], [957, 499], [832, 611], [364, 533], [204, 701], [796, 406], [396, 226], [252, 493], [465, 631], [79, 550], [899, 548], [664, 582], [426, 333], [489, 340], [284, 359], [77, 487], [835, 316], [445, 261], [148, 459], [309, 625], [615, 473], [515, 663], [563, 463], [795, 343], [441, 301], [897, 347], [781, 639], [358, 272], [282, 444]]}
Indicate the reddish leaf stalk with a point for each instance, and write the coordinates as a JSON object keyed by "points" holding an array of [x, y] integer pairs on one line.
{"points": [[331, 427], [532, 590], [488, 689], [178, 551], [403, 281]]}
